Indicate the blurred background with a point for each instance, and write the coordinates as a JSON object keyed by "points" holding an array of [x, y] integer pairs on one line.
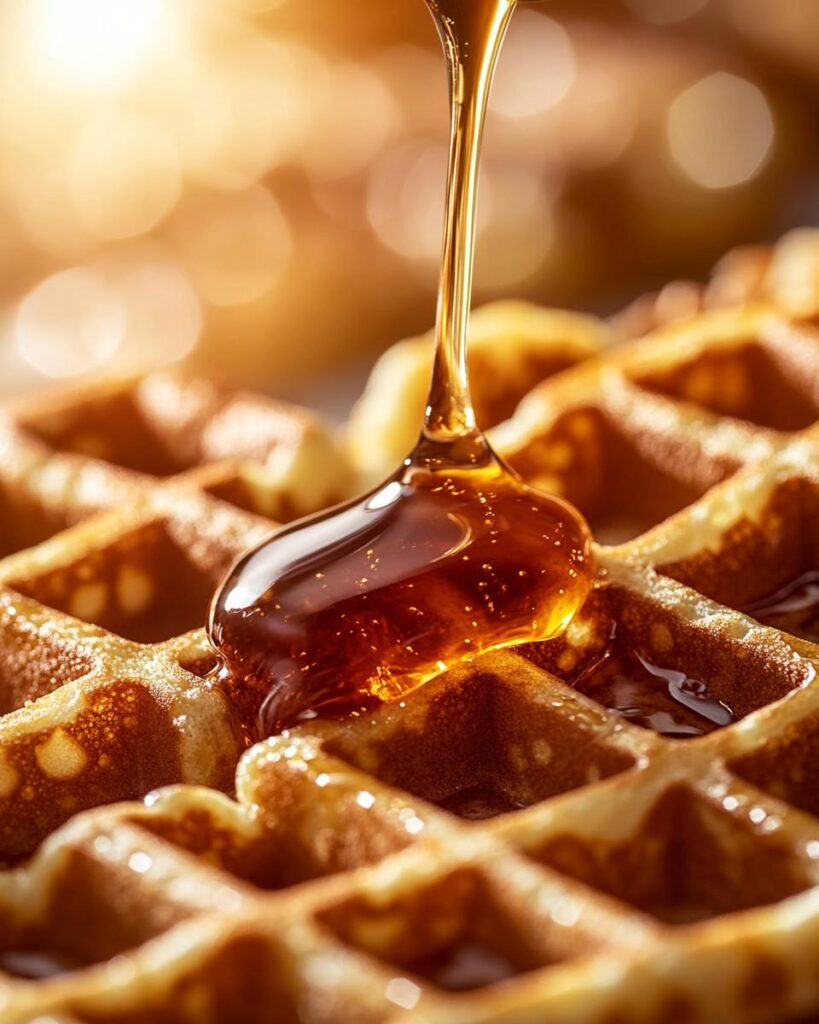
{"points": [[258, 184]]}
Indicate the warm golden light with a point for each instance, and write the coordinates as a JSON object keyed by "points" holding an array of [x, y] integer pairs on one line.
{"points": [[353, 117], [247, 112], [142, 311], [164, 313], [69, 324], [236, 247], [197, 155], [256, 6], [520, 234], [405, 200], [97, 43], [667, 12], [720, 131], [538, 68], [124, 176]]}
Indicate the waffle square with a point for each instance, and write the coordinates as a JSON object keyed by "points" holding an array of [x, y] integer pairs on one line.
{"points": [[541, 834]]}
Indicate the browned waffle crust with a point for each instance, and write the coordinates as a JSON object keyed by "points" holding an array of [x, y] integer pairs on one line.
{"points": [[499, 848]]}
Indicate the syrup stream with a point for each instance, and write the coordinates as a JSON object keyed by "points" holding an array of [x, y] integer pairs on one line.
{"points": [[453, 555], [472, 33]]}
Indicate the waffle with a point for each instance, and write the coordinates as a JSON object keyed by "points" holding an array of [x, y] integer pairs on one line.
{"points": [[510, 843], [97, 703]]}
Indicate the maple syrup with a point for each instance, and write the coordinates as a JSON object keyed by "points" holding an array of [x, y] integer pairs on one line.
{"points": [[665, 700], [454, 555], [794, 608]]}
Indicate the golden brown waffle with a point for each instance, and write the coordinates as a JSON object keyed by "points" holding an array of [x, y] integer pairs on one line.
{"points": [[97, 703], [512, 347], [786, 274], [501, 847]]}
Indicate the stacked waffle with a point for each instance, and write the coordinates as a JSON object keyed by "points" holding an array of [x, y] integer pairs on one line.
{"points": [[618, 825]]}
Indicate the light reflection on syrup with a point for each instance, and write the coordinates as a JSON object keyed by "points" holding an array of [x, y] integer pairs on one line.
{"points": [[665, 700], [453, 555], [794, 608], [438, 564]]}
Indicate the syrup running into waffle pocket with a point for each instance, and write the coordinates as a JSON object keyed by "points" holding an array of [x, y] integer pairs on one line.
{"points": [[453, 555], [794, 608], [665, 700]]}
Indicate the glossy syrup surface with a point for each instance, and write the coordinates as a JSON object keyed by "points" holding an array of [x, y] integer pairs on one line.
{"points": [[663, 699], [451, 556], [794, 608], [363, 604]]}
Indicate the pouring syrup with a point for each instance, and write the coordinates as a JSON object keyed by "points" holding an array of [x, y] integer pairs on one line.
{"points": [[453, 555]]}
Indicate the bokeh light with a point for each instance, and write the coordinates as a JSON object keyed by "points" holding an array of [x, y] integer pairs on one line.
{"points": [[405, 199], [538, 66], [246, 113], [124, 176], [720, 131], [96, 43], [518, 232], [227, 174], [69, 324], [164, 314], [354, 114], [235, 246]]}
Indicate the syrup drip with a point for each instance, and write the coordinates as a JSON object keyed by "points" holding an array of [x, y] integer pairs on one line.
{"points": [[662, 699], [452, 556], [793, 608]]}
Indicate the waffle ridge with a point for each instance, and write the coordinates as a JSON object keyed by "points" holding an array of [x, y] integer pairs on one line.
{"points": [[501, 847]]}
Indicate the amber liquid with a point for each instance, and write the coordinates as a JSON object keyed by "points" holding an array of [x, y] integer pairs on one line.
{"points": [[663, 699], [794, 608], [452, 556]]}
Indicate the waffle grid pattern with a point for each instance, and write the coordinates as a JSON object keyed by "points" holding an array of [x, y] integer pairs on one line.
{"points": [[499, 848]]}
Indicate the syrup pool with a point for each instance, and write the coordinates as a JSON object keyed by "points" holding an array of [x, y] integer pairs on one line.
{"points": [[663, 699], [442, 562], [453, 555], [794, 608]]}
